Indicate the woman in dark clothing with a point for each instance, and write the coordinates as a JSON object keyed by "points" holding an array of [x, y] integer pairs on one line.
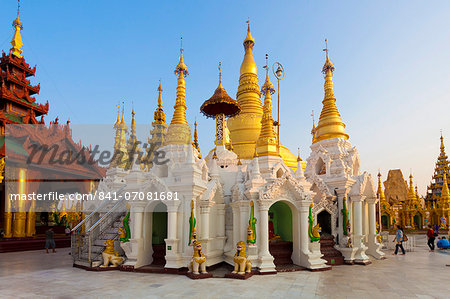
{"points": [[431, 237], [49, 240]]}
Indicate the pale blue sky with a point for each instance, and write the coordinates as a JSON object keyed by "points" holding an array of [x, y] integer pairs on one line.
{"points": [[391, 59]]}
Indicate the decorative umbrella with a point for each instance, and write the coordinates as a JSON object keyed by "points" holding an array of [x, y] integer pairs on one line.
{"points": [[219, 106]]}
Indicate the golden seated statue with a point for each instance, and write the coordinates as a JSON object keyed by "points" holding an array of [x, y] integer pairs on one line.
{"points": [[241, 263], [110, 256], [198, 260]]}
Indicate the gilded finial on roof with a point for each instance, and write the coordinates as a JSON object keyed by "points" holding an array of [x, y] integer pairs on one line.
{"points": [[16, 41], [330, 124], [181, 67]]}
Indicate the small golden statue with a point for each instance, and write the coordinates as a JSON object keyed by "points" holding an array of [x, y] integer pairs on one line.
{"points": [[250, 235], [122, 233], [316, 231], [241, 263], [111, 256], [379, 239], [198, 260], [349, 243], [193, 237]]}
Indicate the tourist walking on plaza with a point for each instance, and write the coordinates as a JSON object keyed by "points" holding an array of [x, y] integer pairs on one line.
{"points": [[431, 236], [399, 240], [49, 240]]}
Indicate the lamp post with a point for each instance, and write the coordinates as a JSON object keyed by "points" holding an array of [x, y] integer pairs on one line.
{"points": [[278, 71]]}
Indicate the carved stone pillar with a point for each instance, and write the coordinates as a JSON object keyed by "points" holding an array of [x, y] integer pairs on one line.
{"points": [[172, 242], [205, 209], [136, 242], [360, 256], [310, 255], [266, 259], [374, 248], [236, 220], [220, 220], [244, 217]]}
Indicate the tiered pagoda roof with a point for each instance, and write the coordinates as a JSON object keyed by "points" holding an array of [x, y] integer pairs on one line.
{"points": [[440, 171]]}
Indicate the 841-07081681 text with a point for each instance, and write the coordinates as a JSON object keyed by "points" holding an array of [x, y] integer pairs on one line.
{"points": [[137, 195]]}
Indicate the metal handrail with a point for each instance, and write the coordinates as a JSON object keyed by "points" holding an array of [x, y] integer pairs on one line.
{"points": [[100, 221], [106, 215], [93, 212]]}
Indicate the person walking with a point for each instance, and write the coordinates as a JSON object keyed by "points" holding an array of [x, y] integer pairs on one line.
{"points": [[399, 240], [49, 240], [431, 237]]}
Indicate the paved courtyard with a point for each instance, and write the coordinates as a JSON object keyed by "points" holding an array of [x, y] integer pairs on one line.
{"points": [[418, 274]]}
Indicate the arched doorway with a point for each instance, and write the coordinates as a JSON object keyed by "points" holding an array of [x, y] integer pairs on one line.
{"points": [[418, 221], [324, 220], [435, 219], [385, 221], [280, 233], [159, 233]]}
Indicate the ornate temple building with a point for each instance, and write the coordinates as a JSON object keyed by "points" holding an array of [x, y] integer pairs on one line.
{"points": [[247, 189], [21, 133], [401, 204], [345, 199], [407, 211]]}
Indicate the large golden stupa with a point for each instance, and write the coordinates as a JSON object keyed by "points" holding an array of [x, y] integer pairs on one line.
{"points": [[246, 126]]}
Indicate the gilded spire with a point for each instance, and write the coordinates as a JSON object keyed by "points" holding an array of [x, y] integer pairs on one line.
{"points": [[159, 115], [442, 145], [330, 123], [248, 65], [380, 191], [266, 145], [298, 156], [195, 143], [16, 41], [133, 137], [160, 103], [411, 193], [122, 121], [120, 152], [445, 194], [179, 115], [179, 131], [245, 127], [118, 117]]}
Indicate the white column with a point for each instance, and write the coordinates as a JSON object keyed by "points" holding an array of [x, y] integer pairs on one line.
{"points": [[172, 241], [172, 211], [357, 218], [304, 225], [374, 248], [372, 220], [205, 208], [310, 255], [264, 230], [134, 247], [341, 194], [266, 259], [220, 220], [244, 217], [360, 256], [236, 231], [137, 210]]}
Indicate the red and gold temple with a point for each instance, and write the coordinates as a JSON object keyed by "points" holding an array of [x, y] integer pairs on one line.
{"points": [[19, 111]]}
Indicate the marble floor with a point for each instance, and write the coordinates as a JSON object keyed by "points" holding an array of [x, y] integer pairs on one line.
{"points": [[418, 274]]}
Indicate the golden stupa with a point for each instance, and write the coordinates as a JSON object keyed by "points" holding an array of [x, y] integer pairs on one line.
{"points": [[245, 128]]}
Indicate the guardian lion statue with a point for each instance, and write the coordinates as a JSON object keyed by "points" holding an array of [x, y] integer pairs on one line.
{"points": [[198, 260], [241, 263], [110, 256]]}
